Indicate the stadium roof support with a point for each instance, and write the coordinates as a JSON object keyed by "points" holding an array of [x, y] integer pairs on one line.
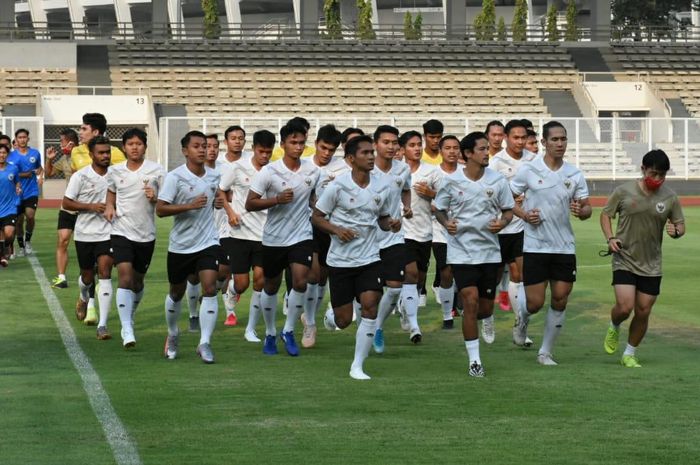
{"points": [[233, 13], [600, 20], [306, 17], [455, 14]]}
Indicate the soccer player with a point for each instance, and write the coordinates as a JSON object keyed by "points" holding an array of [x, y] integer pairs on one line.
{"points": [[646, 208], [189, 192], [234, 138], [285, 188], [507, 162], [350, 209], [132, 193], [400, 275], [495, 131], [244, 241], [10, 191], [7, 140], [553, 190], [308, 151], [86, 194], [531, 145], [432, 132], [58, 162], [348, 134], [31, 176], [473, 204]]}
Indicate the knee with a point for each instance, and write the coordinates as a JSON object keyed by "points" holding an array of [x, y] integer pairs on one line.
{"points": [[559, 303], [342, 321], [624, 308], [642, 312], [208, 289]]}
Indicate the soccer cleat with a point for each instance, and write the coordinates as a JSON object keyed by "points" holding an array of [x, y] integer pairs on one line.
{"points": [[528, 342], [3, 262], [170, 349], [80, 309], [28, 250], [308, 338], [546, 360], [488, 331], [194, 324], [230, 305], [416, 336], [231, 320], [630, 361], [329, 320], [103, 333], [128, 339], [290, 344], [59, 283], [21, 252], [357, 373], [520, 332], [422, 300], [205, 353], [455, 313], [91, 316], [12, 256], [476, 370], [504, 301], [378, 341], [251, 336], [270, 346], [611, 340], [448, 324]]}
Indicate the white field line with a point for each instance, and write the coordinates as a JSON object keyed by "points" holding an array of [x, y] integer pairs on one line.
{"points": [[123, 448]]}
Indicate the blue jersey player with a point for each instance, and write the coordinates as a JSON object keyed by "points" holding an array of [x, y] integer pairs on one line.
{"points": [[10, 190], [28, 160]]}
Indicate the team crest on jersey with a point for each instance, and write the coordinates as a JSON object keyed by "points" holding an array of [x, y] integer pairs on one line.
{"points": [[11, 177], [191, 188], [247, 179], [398, 182], [489, 192], [351, 200], [331, 176], [308, 181], [567, 184], [377, 199], [32, 159], [539, 181], [660, 207]]}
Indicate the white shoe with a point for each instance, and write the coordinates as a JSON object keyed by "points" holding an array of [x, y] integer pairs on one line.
{"points": [[12, 256], [28, 248], [488, 330], [416, 336], [329, 320], [422, 300], [528, 342], [357, 373], [251, 336], [546, 360], [128, 339], [21, 252], [520, 332]]}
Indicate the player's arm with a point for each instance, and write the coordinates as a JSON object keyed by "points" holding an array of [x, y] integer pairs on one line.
{"points": [[497, 224], [220, 199], [18, 188], [255, 202], [50, 157], [424, 191], [448, 223], [406, 201], [385, 223], [74, 205], [110, 205], [614, 243], [165, 209], [318, 219], [676, 225], [581, 208]]}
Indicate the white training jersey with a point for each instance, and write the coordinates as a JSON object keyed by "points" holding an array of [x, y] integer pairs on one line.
{"points": [[551, 192], [289, 223], [350, 206], [135, 214], [395, 181], [237, 177], [474, 204], [220, 216], [419, 226], [193, 230], [86, 186], [439, 231], [508, 166], [328, 173]]}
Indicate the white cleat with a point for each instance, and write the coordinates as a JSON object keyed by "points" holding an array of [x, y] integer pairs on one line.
{"points": [[520, 332], [546, 360], [170, 350], [128, 338], [423, 300], [416, 336], [28, 248], [229, 302], [329, 320], [405, 324], [357, 373], [21, 252], [488, 330], [251, 336], [528, 342]]}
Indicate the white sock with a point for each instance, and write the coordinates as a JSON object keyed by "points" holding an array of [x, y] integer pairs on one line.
{"points": [[138, 297], [356, 310], [552, 328], [310, 304], [172, 313], [84, 289], [320, 294], [104, 300], [505, 280], [521, 300], [295, 305], [473, 351], [447, 302], [409, 296], [125, 306], [513, 294], [207, 318], [231, 290], [630, 350], [268, 304], [524, 314], [614, 326], [192, 294], [62, 276], [254, 311], [363, 341], [388, 300]]}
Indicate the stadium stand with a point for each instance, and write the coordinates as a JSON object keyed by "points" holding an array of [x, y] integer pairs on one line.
{"points": [[20, 85]]}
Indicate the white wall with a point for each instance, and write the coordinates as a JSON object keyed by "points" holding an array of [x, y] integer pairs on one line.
{"points": [[38, 55]]}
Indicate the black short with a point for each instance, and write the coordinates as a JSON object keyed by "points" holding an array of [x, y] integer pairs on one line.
{"points": [[440, 254], [9, 220], [650, 285], [243, 254], [66, 220], [483, 276], [181, 265], [322, 243], [29, 202], [89, 251], [347, 284], [542, 267], [418, 252], [276, 259], [394, 260], [224, 257], [511, 246], [139, 254]]}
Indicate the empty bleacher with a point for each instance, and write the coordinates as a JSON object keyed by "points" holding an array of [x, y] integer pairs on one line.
{"points": [[20, 86]]}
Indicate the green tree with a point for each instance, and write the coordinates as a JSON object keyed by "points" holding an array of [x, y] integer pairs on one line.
{"points": [[571, 33], [552, 31], [331, 12], [485, 21], [519, 25], [633, 17], [365, 31], [418, 27], [212, 28], [408, 26], [501, 30]]}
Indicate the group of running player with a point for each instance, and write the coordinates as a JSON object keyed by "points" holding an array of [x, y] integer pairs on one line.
{"points": [[365, 224]]}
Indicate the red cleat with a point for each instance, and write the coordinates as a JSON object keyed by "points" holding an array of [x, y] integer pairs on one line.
{"points": [[504, 301], [231, 320]]}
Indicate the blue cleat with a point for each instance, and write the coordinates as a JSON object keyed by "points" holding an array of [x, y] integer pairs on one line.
{"points": [[270, 347], [378, 342], [289, 343]]}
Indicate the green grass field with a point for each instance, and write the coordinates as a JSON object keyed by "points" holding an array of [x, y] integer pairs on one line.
{"points": [[420, 407]]}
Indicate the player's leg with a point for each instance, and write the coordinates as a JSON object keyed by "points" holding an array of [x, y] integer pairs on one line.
{"points": [[554, 320], [86, 263], [193, 292], [223, 281], [274, 264], [625, 289], [8, 230], [255, 308], [104, 298], [63, 236], [238, 253], [300, 257], [179, 267], [19, 230], [208, 272], [308, 317], [30, 214], [638, 327], [535, 280]]}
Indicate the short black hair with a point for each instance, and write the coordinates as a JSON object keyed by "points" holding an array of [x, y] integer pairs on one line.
{"points": [[514, 123], [469, 142], [531, 133], [383, 129], [20, 131], [656, 159], [213, 135], [328, 134], [70, 134], [6, 147], [354, 143], [96, 121], [528, 124], [492, 124], [97, 140], [348, 131], [134, 132], [433, 126], [446, 138], [264, 138], [299, 121], [549, 126], [7, 138], [290, 129], [408, 135], [231, 129], [185, 141]]}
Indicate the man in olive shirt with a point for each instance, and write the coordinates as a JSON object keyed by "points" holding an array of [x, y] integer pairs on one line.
{"points": [[645, 207]]}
